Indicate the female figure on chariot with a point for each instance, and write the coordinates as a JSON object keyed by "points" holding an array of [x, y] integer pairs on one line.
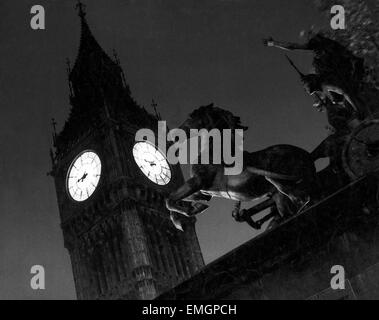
{"points": [[336, 70]]}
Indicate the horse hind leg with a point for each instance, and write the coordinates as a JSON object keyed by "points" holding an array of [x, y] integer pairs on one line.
{"points": [[298, 196], [284, 205]]}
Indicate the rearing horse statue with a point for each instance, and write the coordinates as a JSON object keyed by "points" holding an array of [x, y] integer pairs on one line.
{"points": [[286, 171]]}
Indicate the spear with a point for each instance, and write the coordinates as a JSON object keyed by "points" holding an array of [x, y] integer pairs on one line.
{"points": [[302, 76]]}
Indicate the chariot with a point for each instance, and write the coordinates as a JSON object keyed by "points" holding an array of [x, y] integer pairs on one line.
{"points": [[360, 155], [359, 158], [285, 176]]}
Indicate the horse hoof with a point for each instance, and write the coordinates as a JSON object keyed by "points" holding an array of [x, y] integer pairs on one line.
{"points": [[239, 215], [168, 204], [176, 222], [303, 205]]}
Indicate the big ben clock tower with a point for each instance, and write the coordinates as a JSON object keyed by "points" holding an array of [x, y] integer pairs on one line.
{"points": [[111, 198]]}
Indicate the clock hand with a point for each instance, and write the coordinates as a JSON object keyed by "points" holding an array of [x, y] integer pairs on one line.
{"points": [[83, 177], [152, 163]]}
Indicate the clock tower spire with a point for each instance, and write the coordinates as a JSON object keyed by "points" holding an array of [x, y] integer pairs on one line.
{"points": [[111, 199]]}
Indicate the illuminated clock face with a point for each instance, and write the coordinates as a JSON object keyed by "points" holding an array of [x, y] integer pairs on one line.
{"points": [[84, 175], [152, 163]]}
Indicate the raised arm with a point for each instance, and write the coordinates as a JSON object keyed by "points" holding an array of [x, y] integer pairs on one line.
{"points": [[270, 42]]}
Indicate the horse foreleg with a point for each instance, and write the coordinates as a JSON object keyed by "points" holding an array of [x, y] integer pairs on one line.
{"points": [[175, 204], [188, 189], [198, 196]]}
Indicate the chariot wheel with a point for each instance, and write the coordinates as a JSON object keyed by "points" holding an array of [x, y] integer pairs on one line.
{"points": [[361, 152]]}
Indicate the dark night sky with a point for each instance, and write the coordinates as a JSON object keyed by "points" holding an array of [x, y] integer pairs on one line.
{"points": [[183, 54]]}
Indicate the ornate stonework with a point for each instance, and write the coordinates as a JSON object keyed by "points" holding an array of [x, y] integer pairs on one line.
{"points": [[121, 242]]}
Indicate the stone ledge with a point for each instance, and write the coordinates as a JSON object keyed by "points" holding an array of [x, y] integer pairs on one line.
{"points": [[293, 260]]}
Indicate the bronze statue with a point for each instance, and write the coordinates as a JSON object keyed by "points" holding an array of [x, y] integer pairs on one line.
{"points": [[284, 172], [337, 71], [351, 104]]}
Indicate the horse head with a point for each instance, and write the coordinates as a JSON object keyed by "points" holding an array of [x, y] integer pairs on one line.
{"points": [[210, 117]]}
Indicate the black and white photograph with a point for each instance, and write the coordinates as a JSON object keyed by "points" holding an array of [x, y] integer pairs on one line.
{"points": [[172, 151]]}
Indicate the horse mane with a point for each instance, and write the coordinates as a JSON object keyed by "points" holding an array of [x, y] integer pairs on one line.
{"points": [[212, 117]]}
